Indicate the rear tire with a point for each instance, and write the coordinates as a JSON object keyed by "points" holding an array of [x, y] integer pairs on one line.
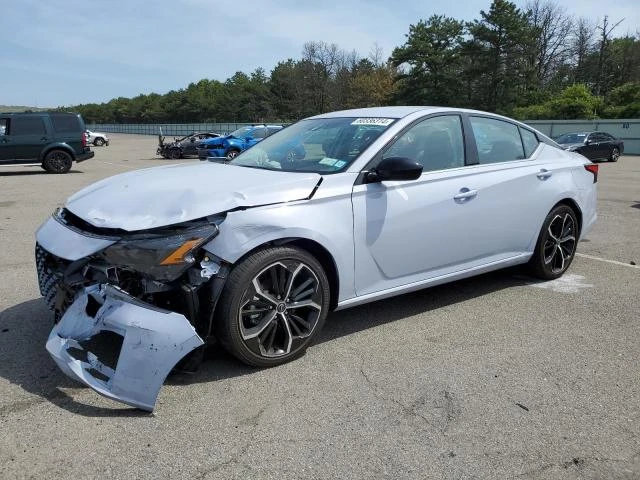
{"points": [[615, 154], [98, 142], [556, 244], [273, 305], [57, 161]]}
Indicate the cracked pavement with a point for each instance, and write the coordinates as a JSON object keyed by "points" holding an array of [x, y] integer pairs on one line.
{"points": [[494, 377]]}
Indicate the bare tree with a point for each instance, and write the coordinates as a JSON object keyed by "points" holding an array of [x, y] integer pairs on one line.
{"points": [[582, 45], [605, 39], [375, 55], [552, 26]]}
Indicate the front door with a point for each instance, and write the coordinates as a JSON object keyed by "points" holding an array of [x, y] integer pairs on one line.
{"points": [[455, 217]]}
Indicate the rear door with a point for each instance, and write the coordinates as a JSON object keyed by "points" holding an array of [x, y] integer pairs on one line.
{"points": [[27, 135]]}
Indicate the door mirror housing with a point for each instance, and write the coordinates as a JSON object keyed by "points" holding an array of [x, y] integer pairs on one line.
{"points": [[395, 168]]}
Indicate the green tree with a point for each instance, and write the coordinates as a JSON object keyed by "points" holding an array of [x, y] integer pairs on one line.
{"points": [[498, 74], [430, 63]]}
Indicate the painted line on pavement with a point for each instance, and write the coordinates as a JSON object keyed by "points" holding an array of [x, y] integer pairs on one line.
{"points": [[615, 262]]}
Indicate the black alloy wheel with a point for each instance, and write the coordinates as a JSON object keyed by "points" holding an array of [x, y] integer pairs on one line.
{"points": [[556, 244], [57, 161]]}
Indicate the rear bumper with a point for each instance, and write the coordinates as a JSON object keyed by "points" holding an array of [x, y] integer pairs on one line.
{"points": [[120, 346], [84, 156]]}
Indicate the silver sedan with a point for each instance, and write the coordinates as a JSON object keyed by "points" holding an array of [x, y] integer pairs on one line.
{"points": [[255, 252]]}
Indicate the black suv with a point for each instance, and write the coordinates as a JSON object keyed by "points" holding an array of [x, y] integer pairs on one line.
{"points": [[52, 139]]}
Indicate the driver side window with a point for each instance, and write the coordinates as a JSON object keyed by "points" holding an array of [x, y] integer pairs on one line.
{"points": [[436, 143]]}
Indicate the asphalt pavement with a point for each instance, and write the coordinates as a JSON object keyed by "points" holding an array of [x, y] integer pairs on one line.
{"points": [[500, 376]]}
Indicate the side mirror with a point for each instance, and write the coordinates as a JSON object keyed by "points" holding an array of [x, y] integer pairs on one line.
{"points": [[193, 139], [395, 168]]}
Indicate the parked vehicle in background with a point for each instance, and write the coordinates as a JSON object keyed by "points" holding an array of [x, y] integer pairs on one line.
{"points": [[593, 145], [255, 253], [239, 140], [184, 146], [97, 138], [54, 140]]}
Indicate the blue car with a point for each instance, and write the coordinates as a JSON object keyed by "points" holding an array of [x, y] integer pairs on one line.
{"points": [[237, 141]]}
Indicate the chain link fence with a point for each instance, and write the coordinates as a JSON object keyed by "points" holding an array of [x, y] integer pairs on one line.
{"points": [[626, 129], [167, 129]]}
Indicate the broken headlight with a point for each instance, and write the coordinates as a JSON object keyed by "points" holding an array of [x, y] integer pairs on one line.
{"points": [[163, 254]]}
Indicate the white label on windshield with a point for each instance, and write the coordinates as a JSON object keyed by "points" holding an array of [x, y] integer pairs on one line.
{"points": [[373, 121], [328, 161]]}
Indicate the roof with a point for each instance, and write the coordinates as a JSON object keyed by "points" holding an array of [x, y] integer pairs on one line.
{"points": [[386, 112]]}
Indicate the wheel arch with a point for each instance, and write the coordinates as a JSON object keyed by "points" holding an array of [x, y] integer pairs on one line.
{"points": [[571, 203], [58, 146], [318, 251]]}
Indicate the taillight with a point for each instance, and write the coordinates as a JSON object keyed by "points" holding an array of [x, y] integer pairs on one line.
{"points": [[593, 168], [84, 139]]}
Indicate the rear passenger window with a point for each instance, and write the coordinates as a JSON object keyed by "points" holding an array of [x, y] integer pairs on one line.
{"points": [[27, 126], [497, 140], [65, 123], [530, 142], [4, 126]]}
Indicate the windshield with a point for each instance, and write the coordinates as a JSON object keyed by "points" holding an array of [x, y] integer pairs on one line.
{"points": [[323, 145], [571, 138], [241, 132]]}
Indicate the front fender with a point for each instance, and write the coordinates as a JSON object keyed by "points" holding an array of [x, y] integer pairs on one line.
{"points": [[329, 223]]}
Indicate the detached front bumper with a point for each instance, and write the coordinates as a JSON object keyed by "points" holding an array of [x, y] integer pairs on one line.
{"points": [[146, 343]]}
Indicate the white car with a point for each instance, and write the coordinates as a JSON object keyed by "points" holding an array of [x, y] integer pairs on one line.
{"points": [[96, 138], [256, 251]]}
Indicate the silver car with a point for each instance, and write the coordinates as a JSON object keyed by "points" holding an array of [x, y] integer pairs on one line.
{"points": [[97, 138], [255, 252]]}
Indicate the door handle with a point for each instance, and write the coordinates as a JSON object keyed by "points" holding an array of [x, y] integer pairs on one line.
{"points": [[44, 139], [465, 195], [543, 174]]}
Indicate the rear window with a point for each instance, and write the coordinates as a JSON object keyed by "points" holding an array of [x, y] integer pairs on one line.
{"points": [[66, 123], [27, 125], [530, 142]]}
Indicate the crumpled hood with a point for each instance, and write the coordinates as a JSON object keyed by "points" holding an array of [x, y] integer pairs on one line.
{"points": [[167, 195], [217, 140]]}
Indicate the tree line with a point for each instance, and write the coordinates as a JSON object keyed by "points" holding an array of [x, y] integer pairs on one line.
{"points": [[535, 62]]}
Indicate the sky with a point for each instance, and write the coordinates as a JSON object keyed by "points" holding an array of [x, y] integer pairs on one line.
{"points": [[67, 52]]}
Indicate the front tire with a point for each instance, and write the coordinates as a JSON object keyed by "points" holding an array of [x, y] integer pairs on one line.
{"points": [[175, 154], [57, 161], [556, 244], [615, 154], [274, 304], [98, 142], [231, 154]]}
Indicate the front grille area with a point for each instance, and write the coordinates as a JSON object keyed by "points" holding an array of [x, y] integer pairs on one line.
{"points": [[50, 275]]}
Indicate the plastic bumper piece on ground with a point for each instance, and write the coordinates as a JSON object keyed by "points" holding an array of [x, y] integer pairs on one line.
{"points": [[152, 342]]}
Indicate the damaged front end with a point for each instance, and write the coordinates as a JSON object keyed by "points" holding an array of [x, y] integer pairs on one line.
{"points": [[128, 306], [138, 344]]}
